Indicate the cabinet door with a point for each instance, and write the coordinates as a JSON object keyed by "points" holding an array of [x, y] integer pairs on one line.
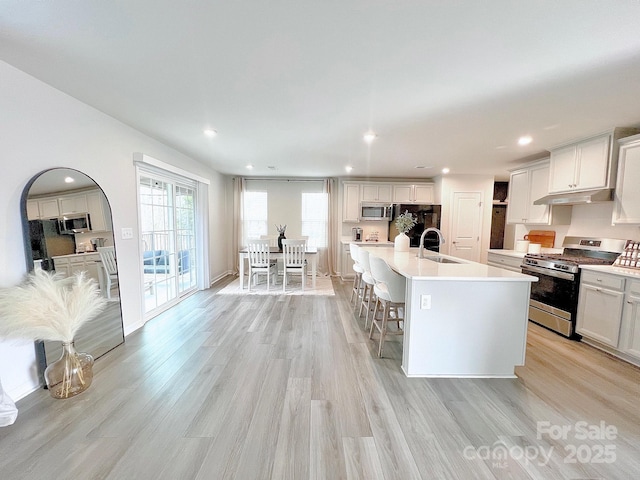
{"points": [[593, 164], [95, 207], [627, 201], [562, 174], [599, 314], [402, 194], [33, 212], [347, 263], [538, 187], [376, 193], [423, 193], [517, 210], [61, 265], [73, 204], [48, 208], [351, 202], [630, 340]]}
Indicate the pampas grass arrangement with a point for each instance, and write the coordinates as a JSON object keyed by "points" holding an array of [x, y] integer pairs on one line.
{"points": [[51, 307]]}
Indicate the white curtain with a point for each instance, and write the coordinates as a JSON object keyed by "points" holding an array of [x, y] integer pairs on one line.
{"points": [[329, 261], [239, 187]]}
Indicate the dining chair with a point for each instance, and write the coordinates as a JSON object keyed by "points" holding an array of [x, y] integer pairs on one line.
{"points": [[390, 289], [260, 261], [368, 283], [357, 269], [293, 260], [109, 268]]}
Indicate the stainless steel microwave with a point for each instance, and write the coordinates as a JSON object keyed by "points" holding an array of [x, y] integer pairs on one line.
{"points": [[75, 223], [376, 211]]}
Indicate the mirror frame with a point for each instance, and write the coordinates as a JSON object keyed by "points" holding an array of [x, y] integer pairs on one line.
{"points": [[41, 362]]}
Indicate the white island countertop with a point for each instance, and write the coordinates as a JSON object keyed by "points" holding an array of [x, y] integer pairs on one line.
{"points": [[462, 319], [408, 265]]}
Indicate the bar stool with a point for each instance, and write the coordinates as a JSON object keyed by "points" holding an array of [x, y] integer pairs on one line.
{"points": [[358, 270], [390, 291], [367, 283]]}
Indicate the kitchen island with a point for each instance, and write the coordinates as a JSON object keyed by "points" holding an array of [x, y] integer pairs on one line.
{"points": [[462, 319]]}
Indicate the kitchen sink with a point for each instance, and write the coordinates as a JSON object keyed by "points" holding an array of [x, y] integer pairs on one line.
{"points": [[438, 259]]}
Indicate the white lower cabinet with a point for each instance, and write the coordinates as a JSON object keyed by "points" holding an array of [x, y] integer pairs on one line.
{"points": [[609, 313], [70, 264], [630, 330]]}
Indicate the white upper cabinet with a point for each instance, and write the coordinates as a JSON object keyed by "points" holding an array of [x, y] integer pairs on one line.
{"points": [[98, 210], [582, 166], [526, 185], [417, 193], [376, 193], [70, 204], [626, 209], [48, 208], [351, 202], [586, 165], [33, 212]]}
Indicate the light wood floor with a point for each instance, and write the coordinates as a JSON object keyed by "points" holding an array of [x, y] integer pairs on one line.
{"points": [[289, 387]]}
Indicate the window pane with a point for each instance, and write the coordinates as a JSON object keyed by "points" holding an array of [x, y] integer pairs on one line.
{"points": [[315, 213]]}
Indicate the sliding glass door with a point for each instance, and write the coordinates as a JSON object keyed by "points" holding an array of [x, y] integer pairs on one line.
{"points": [[168, 229]]}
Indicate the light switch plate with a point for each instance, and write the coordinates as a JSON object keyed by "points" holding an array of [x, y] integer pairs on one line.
{"points": [[127, 233], [425, 302]]}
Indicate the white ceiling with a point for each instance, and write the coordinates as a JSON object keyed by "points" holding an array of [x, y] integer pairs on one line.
{"points": [[295, 84]]}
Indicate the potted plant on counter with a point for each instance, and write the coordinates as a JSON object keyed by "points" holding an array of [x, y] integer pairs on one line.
{"points": [[404, 222], [51, 307]]}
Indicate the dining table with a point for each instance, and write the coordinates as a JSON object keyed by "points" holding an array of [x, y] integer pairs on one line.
{"points": [[311, 254]]}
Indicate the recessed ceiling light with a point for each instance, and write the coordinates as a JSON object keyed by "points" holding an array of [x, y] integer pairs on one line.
{"points": [[68, 180], [210, 132], [525, 140], [369, 136], [445, 170], [249, 167], [348, 168]]}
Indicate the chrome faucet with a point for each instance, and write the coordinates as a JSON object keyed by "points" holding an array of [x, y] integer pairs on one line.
{"points": [[430, 229]]}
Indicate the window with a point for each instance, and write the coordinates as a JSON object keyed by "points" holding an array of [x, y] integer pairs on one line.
{"points": [[314, 218], [254, 215]]}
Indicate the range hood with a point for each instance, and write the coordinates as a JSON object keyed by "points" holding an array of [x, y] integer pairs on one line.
{"points": [[577, 198]]}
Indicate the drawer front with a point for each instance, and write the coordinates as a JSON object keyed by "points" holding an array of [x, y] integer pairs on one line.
{"points": [[504, 260], [603, 280]]}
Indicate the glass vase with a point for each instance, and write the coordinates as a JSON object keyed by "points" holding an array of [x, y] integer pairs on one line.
{"points": [[71, 374]]}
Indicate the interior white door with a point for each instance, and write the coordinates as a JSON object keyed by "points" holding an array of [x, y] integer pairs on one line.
{"points": [[465, 225]]}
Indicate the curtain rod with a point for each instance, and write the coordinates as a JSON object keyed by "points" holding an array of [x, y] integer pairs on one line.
{"points": [[276, 179]]}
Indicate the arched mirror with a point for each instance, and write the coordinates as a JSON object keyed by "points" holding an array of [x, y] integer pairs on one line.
{"points": [[66, 221]]}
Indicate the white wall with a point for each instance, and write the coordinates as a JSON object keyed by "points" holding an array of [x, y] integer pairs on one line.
{"points": [[43, 128]]}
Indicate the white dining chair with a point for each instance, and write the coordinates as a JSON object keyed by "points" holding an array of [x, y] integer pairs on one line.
{"points": [[293, 252], [260, 261], [109, 268], [390, 289]]}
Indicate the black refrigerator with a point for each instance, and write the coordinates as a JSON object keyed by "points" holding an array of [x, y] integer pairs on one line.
{"points": [[426, 216], [46, 242]]}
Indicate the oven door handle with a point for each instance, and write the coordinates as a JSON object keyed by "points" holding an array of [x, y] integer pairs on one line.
{"points": [[548, 272]]}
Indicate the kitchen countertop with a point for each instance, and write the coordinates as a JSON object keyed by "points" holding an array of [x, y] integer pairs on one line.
{"points": [[73, 255], [408, 265], [514, 253], [614, 270], [347, 240]]}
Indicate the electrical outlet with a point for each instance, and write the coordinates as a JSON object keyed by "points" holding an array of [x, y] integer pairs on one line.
{"points": [[425, 302], [127, 233]]}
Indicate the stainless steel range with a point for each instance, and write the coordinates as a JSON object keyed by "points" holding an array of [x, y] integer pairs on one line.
{"points": [[554, 297]]}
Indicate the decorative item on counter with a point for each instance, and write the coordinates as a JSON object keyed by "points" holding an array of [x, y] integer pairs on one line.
{"points": [[281, 229], [372, 237], [522, 246], [404, 222], [51, 307], [629, 257], [534, 248]]}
